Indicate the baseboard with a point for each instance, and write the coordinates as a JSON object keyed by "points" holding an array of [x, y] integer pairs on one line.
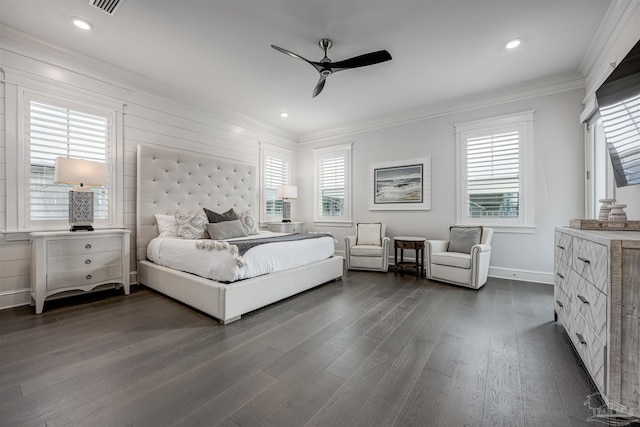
{"points": [[15, 298], [521, 275]]}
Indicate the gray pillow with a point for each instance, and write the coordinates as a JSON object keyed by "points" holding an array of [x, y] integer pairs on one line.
{"points": [[229, 215], [226, 229], [461, 239]]}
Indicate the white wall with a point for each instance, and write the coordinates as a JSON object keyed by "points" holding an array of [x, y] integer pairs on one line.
{"points": [[147, 119], [558, 171]]}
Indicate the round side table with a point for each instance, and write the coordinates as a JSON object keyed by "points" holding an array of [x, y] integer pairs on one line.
{"points": [[408, 242]]}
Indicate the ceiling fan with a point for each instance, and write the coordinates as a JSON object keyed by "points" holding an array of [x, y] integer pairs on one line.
{"points": [[325, 67]]}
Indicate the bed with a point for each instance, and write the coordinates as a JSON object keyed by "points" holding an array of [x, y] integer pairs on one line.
{"points": [[168, 180]]}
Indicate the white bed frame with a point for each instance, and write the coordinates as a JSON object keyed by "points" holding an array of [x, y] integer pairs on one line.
{"points": [[168, 180]]}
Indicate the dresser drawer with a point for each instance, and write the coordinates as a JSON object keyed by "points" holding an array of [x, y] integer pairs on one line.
{"points": [[590, 348], [69, 279], [592, 305], [84, 262], [562, 306], [83, 246], [591, 261], [564, 248]]}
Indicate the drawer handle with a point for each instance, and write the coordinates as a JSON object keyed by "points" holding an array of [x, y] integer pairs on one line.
{"points": [[560, 247], [583, 299], [88, 246], [584, 260], [560, 303], [560, 275], [88, 276], [88, 261], [581, 339]]}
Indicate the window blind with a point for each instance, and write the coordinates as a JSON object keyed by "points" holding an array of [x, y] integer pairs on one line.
{"points": [[276, 173], [55, 131], [331, 186], [493, 175], [622, 130]]}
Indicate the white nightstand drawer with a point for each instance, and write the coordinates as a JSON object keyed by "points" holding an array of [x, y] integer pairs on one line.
{"points": [[85, 262], [84, 245], [286, 227], [72, 279]]}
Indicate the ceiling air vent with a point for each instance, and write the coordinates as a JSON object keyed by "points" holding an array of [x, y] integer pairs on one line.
{"points": [[109, 6]]}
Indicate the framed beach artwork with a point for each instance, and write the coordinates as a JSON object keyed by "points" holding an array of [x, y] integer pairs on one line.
{"points": [[400, 185]]}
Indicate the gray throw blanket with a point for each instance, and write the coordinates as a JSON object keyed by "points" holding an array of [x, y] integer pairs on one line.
{"points": [[245, 245]]}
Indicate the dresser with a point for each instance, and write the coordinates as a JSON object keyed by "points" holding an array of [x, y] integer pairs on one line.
{"points": [[65, 261], [597, 299], [286, 227]]}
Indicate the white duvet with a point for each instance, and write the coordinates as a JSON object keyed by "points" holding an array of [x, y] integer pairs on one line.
{"points": [[227, 266]]}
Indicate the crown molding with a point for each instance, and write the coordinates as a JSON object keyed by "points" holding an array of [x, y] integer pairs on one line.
{"points": [[29, 46], [550, 85]]}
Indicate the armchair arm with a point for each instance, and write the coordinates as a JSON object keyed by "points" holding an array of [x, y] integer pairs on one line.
{"points": [[482, 247], [435, 246], [349, 241]]}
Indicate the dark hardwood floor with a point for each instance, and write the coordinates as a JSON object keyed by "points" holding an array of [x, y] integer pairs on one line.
{"points": [[369, 350]]}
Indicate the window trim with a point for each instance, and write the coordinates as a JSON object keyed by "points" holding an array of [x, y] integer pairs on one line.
{"points": [[18, 92], [523, 121], [322, 153], [267, 150]]}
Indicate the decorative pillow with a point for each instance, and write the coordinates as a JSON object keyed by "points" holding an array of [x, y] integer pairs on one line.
{"points": [[369, 234], [226, 229], [249, 223], [461, 239], [229, 215], [192, 226], [166, 225]]}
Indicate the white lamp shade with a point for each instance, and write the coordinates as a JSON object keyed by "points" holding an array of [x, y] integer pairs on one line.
{"points": [[77, 171], [287, 192]]}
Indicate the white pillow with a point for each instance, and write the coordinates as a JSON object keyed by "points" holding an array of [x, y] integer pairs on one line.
{"points": [[192, 226], [249, 223], [166, 225], [369, 234]]}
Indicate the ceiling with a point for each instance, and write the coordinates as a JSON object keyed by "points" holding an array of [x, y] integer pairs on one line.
{"points": [[219, 51]]}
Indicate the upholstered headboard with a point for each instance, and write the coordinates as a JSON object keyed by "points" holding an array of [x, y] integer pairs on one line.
{"points": [[170, 179]]}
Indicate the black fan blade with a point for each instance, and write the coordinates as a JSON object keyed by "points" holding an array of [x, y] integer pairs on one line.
{"points": [[319, 86], [357, 61], [295, 55]]}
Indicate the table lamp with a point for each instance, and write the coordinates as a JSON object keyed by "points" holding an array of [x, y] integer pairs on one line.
{"points": [[86, 174], [286, 193]]}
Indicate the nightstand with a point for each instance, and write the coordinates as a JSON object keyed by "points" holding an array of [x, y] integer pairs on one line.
{"points": [[286, 227], [64, 261]]}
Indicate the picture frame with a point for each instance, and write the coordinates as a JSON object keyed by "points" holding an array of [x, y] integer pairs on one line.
{"points": [[400, 185]]}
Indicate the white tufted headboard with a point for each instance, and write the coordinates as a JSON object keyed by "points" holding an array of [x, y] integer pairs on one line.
{"points": [[171, 179]]}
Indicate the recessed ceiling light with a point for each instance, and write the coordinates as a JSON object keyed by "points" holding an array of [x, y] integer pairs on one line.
{"points": [[81, 23], [284, 115], [513, 43]]}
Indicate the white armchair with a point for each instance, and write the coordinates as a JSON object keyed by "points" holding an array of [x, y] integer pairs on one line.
{"points": [[369, 248], [463, 260]]}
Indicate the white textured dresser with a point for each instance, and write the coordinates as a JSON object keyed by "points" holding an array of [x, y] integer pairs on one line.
{"points": [[597, 298], [64, 261]]}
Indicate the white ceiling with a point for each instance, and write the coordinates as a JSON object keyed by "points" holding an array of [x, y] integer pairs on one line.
{"points": [[219, 50]]}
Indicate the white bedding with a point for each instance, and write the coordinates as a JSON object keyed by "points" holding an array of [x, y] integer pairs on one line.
{"points": [[227, 266]]}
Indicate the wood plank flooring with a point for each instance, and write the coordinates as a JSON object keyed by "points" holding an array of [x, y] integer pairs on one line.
{"points": [[370, 350]]}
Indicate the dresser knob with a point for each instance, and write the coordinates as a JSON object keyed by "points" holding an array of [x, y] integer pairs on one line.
{"points": [[560, 303], [88, 246], [88, 261], [88, 276]]}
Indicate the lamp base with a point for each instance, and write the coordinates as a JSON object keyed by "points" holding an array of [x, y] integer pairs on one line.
{"points": [[82, 228]]}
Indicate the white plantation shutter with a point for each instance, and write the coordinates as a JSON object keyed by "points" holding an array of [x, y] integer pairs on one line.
{"points": [[332, 184], [276, 173], [493, 175], [54, 131], [622, 131]]}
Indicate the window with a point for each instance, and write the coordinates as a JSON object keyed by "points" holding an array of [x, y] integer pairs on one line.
{"points": [[53, 132], [276, 172], [494, 158], [51, 122], [332, 193]]}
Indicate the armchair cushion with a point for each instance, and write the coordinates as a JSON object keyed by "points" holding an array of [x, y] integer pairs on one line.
{"points": [[462, 239], [366, 250], [453, 259], [369, 234]]}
